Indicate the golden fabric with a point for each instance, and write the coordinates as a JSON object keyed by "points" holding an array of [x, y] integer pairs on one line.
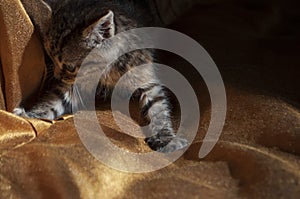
{"points": [[256, 157]]}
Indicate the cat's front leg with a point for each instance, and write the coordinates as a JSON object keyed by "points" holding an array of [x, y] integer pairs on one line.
{"points": [[43, 110], [156, 107], [53, 105]]}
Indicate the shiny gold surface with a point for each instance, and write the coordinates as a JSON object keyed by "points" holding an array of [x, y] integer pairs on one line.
{"points": [[256, 157]]}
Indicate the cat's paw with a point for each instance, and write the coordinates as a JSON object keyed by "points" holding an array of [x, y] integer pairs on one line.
{"points": [[20, 112], [166, 145], [174, 145]]}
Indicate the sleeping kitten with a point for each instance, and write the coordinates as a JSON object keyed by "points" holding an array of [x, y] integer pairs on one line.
{"points": [[76, 28]]}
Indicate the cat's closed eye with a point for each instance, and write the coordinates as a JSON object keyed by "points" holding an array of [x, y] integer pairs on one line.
{"points": [[69, 68]]}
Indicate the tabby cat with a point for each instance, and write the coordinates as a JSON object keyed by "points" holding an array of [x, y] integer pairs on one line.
{"points": [[75, 29]]}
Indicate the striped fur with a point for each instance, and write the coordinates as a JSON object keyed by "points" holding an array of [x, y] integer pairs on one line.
{"points": [[70, 39]]}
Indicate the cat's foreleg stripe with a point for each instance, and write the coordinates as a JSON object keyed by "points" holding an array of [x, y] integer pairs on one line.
{"points": [[152, 91], [156, 107], [145, 109], [55, 113], [159, 114], [58, 92]]}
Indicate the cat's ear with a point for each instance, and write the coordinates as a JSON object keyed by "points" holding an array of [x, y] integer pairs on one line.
{"points": [[103, 28]]}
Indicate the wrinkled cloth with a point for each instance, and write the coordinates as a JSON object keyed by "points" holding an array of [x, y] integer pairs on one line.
{"points": [[257, 156], [22, 56]]}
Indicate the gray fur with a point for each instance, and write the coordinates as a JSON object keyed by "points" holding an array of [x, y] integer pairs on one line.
{"points": [[76, 28]]}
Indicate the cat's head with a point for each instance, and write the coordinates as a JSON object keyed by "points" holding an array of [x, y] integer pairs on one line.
{"points": [[68, 40]]}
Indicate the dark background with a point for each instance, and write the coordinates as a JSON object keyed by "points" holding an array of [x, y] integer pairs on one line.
{"points": [[255, 44]]}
